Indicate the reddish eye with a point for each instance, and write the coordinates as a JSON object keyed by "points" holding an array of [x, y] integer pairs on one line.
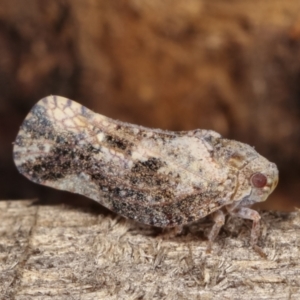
{"points": [[258, 180]]}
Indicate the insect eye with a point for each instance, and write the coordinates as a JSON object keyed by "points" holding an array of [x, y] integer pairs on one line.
{"points": [[258, 180]]}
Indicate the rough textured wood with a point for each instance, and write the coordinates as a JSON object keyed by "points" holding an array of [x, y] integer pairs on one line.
{"points": [[59, 252]]}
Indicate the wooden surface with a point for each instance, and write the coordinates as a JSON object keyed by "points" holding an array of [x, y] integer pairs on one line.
{"points": [[61, 252]]}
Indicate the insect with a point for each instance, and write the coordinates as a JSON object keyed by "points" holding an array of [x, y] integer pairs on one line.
{"points": [[156, 177]]}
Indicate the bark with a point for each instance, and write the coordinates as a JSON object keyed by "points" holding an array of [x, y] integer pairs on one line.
{"points": [[62, 252]]}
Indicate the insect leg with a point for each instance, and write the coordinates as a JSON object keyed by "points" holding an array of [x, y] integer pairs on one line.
{"points": [[248, 213], [219, 219]]}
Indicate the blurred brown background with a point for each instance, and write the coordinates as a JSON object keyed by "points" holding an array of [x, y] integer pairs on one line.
{"points": [[232, 66]]}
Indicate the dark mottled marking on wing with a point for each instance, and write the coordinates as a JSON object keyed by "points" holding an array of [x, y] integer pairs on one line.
{"points": [[146, 172], [68, 156], [93, 150], [130, 130], [117, 143], [174, 214], [151, 165], [38, 125]]}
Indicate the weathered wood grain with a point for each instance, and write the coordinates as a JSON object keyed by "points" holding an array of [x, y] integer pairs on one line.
{"points": [[59, 252]]}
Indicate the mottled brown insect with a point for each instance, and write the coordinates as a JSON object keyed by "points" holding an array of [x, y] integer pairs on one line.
{"points": [[156, 177]]}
